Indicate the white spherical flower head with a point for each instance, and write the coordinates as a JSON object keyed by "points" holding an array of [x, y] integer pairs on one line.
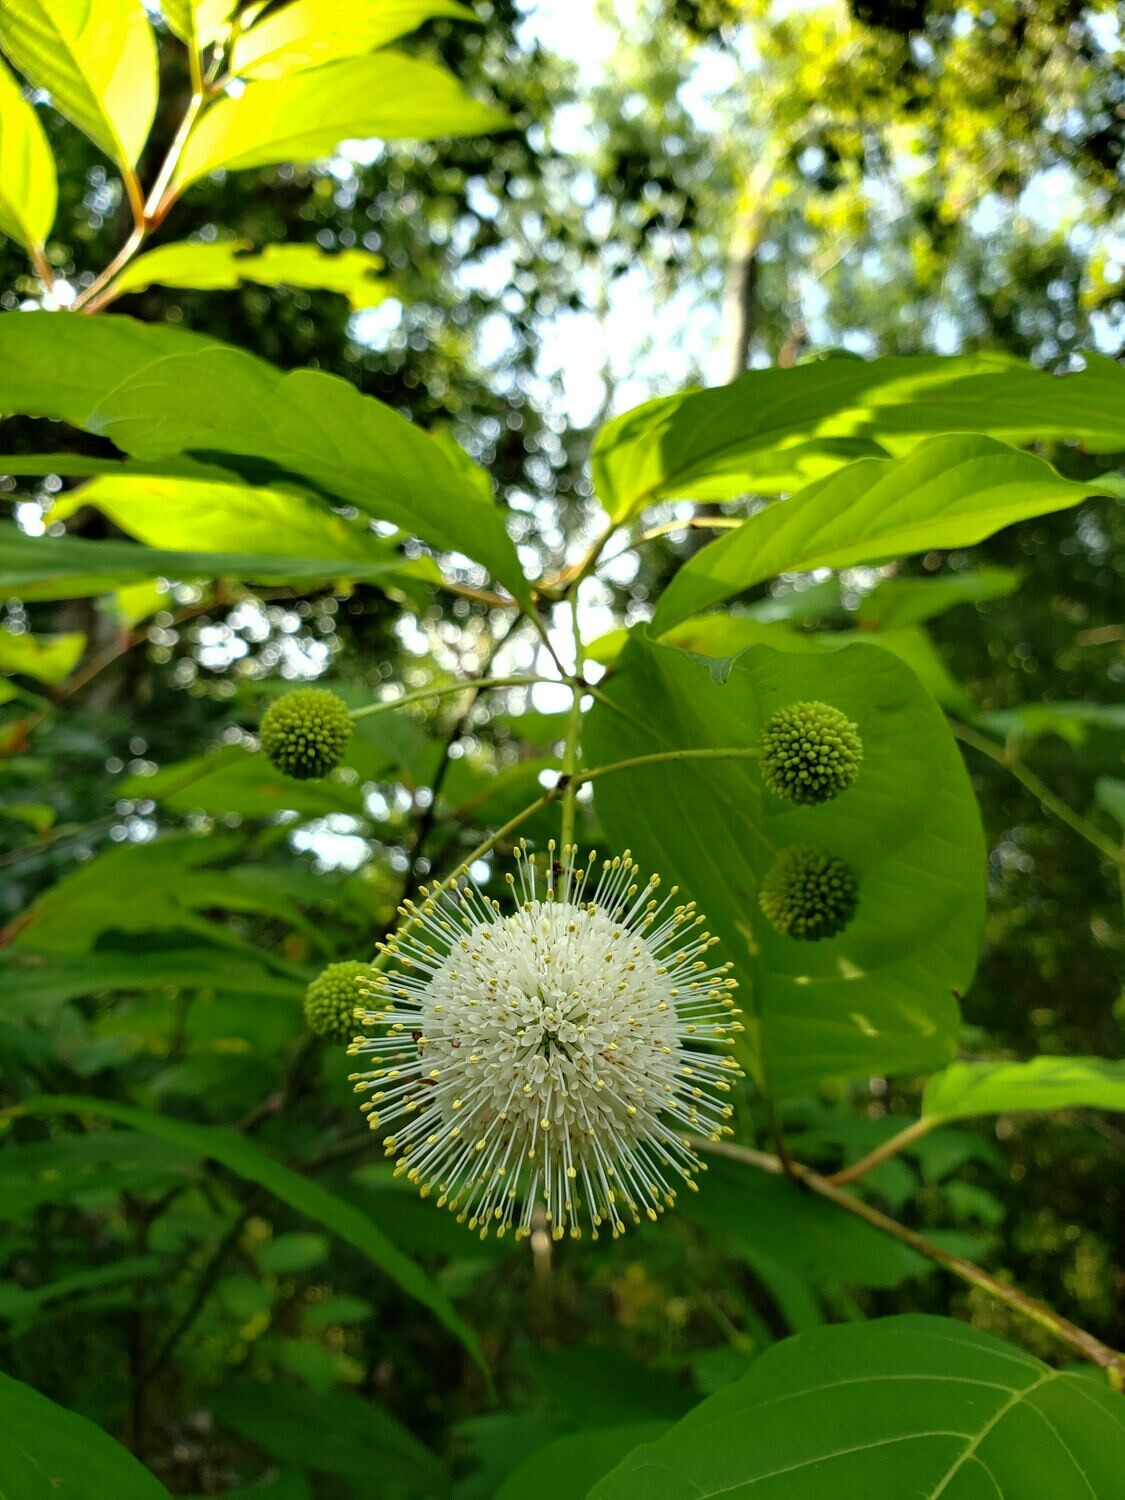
{"points": [[561, 1056]]}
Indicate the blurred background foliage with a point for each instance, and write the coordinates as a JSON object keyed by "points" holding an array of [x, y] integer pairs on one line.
{"points": [[688, 188]]}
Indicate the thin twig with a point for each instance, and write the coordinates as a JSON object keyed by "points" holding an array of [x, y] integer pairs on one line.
{"points": [[473, 685], [573, 734], [1039, 790], [203, 1287], [290, 1084], [1090, 1347], [899, 1142], [429, 814], [656, 757]]}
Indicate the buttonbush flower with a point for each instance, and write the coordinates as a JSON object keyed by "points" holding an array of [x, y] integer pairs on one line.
{"points": [[332, 998], [305, 733], [811, 752], [561, 1054], [809, 894]]}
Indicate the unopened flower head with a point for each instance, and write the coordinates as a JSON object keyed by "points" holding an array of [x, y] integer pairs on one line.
{"points": [[811, 752], [305, 733], [557, 1058], [809, 894], [332, 998]]}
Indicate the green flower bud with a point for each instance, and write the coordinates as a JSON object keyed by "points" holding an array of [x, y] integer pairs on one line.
{"points": [[305, 733], [331, 1000], [809, 894], [810, 752]]}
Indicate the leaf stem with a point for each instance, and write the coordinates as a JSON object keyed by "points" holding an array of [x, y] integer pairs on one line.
{"points": [[657, 757], [42, 266], [891, 1147], [573, 733], [474, 685], [1043, 794], [148, 213], [1091, 1348], [574, 576]]}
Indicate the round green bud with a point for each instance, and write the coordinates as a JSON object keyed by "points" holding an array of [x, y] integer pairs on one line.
{"points": [[306, 732], [809, 894], [331, 1000], [810, 752]]}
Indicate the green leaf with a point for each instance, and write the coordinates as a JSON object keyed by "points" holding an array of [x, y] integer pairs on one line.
{"points": [[287, 1253], [332, 1433], [249, 1161], [950, 492], [566, 1468], [232, 781], [303, 117], [309, 33], [49, 1453], [718, 444], [47, 658], [1070, 721], [1109, 794], [761, 1218], [96, 1165], [197, 23], [993, 1088], [877, 998], [28, 188], [32, 983], [20, 1304], [61, 364], [73, 568], [722, 634], [900, 602], [96, 60], [161, 397], [207, 518], [225, 264], [907, 1406]]}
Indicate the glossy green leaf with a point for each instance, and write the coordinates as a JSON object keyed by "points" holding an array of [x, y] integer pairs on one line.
{"points": [[225, 264], [332, 1433], [309, 33], [239, 1154], [71, 567], [206, 517], [304, 116], [566, 1468], [61, 364], [28, 188], [46, 658], [897, 603], [161, 394], [718, 444], [877, 998], [96, 60], [1109, 793], [197, 23], [49, 1453], [232, 781], [34, 982], [950, 492], [908, 1406], [721, 634], [20, 1304], [169, 887], [1070, 721], [758, 1217], [97, 1165], [992, 1088]]}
